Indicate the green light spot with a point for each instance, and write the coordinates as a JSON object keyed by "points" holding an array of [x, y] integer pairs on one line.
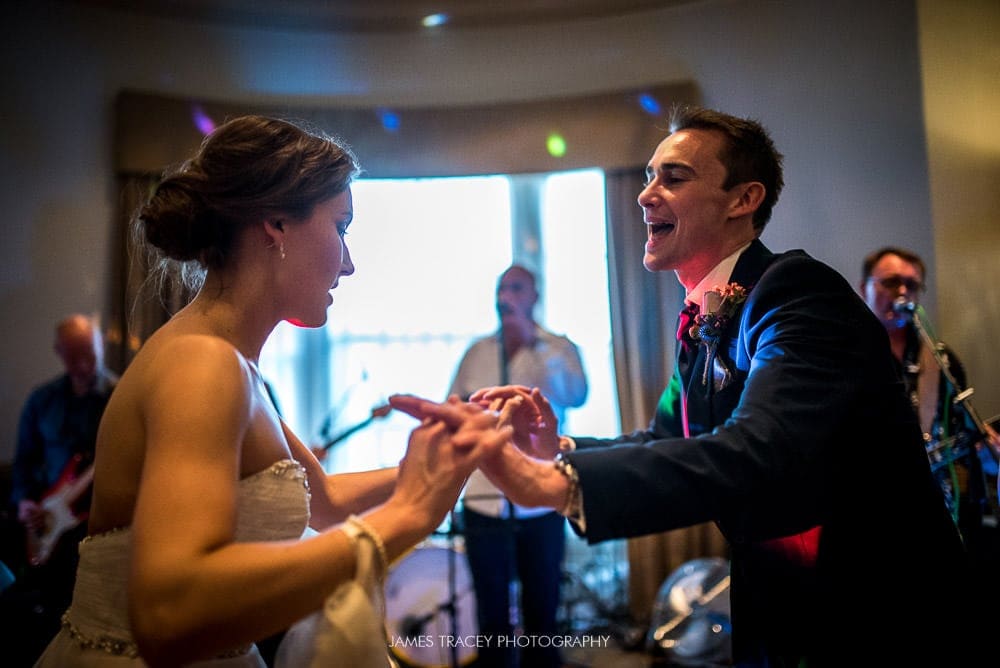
{"points": [[556, 145]]}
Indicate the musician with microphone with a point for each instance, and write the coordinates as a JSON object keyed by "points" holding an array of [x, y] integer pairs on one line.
{"points": [[962, 448], [505, 541]]}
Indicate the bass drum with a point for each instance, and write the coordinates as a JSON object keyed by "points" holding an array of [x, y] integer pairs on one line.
{"points": [[430, 609]]}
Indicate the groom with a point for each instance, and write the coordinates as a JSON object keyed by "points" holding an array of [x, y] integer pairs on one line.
{"points": [[784, 422]]}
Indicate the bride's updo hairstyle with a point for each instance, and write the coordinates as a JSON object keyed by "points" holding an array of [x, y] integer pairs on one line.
{"points": [[247, 169]]}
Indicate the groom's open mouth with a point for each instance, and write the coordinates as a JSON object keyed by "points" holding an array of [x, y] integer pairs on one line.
{"points": [[657, 228]]}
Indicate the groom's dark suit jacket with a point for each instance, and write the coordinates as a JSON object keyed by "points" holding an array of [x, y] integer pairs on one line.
{"points": [[810, 460]]}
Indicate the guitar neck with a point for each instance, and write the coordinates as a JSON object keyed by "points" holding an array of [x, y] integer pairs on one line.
{"points": [[347, 432], [377, 412], [79, 486]]}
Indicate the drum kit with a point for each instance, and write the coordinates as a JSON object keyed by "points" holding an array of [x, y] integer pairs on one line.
{"points": [[431, 609], [430, 604]]}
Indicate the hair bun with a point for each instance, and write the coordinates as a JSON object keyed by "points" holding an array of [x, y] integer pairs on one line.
{"points": [[247, 167], [177, 221]]}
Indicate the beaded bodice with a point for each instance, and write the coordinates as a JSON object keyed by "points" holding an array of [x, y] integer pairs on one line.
{"points": [[273, 504]]}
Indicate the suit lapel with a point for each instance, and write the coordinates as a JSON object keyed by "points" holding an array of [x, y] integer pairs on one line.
{"points": [[751, 265], [706, 406]]}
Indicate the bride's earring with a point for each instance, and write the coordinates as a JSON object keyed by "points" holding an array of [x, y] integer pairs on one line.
{"points": [[281, 250]]}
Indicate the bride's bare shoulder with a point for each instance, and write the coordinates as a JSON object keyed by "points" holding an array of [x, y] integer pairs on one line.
{"points": [[170, 352]]}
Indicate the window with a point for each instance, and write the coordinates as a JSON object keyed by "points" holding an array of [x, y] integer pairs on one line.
{"points": [[575, 279], [427, 254]]}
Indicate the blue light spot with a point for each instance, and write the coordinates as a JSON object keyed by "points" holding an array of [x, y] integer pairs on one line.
{"points": [[649, 104], [390, 120], [434, 20]]}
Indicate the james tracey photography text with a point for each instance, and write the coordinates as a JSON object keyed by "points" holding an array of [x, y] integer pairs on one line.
{"points": [[427, 641]]}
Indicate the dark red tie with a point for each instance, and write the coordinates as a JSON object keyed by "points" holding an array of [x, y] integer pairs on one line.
{"points": [[687, 351], [685, 320]]}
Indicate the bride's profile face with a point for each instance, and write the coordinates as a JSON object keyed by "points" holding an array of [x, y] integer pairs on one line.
{"points": [[317, 252]]}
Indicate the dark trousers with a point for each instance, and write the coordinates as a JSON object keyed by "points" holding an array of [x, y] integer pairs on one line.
{"points": [[530, 550]]}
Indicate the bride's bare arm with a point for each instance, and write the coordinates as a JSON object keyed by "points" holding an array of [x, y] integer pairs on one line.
{"points": [[335, 497], [193, 592]]}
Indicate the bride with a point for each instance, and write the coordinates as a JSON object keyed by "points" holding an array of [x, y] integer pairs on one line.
{"points": [[201, 492]]}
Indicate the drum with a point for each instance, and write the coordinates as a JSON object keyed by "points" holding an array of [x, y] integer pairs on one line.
{"points": [[431, 608], [691, 618]]}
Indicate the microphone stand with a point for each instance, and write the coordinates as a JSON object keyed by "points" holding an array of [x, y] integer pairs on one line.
{"points": [[918, 316], [510, 527], [452, 588]]}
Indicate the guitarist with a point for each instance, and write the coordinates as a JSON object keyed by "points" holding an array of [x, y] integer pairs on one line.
{"points": [[55, 447], [893, 281]]}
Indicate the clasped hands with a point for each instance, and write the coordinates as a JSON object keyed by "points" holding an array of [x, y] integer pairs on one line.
{"points": [[520, 466]]}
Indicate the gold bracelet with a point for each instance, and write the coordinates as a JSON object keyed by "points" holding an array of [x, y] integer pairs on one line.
{"points": [[366, 529]]}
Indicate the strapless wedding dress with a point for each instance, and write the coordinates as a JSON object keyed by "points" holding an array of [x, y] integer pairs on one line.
{"points": [[273, 505]]}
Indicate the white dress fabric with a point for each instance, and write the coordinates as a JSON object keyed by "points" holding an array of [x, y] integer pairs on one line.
{"points": [[273, 505], [350, 628]]}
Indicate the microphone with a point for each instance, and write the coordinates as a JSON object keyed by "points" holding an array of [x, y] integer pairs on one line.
{"points": [[903, 306]]}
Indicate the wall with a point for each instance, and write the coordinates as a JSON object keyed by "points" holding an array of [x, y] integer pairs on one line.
{"points": [[960, 51], [839, 83]]}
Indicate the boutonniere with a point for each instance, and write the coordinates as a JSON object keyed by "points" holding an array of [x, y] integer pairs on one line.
{"points": [[718, 306]]}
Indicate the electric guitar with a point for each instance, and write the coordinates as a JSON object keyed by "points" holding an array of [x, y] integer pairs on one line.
{"points": [[58, 506]]}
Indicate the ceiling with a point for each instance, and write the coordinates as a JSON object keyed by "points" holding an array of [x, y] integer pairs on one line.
{"points": [[378, 15]]}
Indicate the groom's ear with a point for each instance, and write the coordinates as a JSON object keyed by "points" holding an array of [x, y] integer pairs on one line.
{"points": [[750, 196]]}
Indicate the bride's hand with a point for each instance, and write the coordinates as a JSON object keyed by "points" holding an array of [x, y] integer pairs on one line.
{"points": [[443, 450]]}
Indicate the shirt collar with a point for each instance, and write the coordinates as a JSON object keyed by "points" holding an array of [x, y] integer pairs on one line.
{"points": [[718, 277]]}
